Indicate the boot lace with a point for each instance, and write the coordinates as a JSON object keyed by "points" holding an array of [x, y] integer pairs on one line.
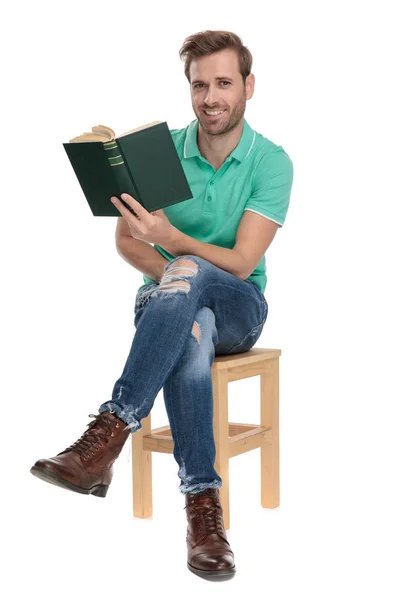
{"points": [[91, 437], [208, 518]]}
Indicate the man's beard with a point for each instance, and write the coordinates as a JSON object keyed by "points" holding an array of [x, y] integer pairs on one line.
{"points": [[233, 120]]}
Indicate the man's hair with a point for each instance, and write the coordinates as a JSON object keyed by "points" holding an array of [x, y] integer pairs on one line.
{"points": [[207, 42]]}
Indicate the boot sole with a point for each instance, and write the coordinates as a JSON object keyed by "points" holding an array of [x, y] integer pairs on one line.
{"points": [[97, 490], [221, 574]]}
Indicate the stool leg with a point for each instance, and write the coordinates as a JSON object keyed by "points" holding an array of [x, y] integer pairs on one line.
{"points": [[142, 473], [269, 418], [221, 437]]}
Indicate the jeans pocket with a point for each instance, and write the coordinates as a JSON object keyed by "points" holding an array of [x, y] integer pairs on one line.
{"points": [[266, 312], [260, 294], [248, 342]]}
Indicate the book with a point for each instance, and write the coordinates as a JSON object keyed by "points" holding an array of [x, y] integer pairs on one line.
{"points": [[142, 162]]}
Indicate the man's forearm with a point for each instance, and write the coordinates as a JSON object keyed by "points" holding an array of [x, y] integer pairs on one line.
{"points": [[224, 258], [142, 256]]}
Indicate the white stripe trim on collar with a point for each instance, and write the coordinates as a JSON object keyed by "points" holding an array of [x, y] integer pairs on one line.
{"points": [[252, 144]]}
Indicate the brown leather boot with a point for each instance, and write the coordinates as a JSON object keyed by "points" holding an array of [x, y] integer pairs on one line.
{"points": [[209, 552], [86, 466]]}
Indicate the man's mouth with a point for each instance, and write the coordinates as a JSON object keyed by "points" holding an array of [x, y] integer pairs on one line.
{"points": [[213, 114]]}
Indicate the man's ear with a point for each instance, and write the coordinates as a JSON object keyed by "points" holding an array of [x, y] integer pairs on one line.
{"points": [[250, 82]]}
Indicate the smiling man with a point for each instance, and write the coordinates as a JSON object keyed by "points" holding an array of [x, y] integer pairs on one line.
{"points": [[204, 274]]}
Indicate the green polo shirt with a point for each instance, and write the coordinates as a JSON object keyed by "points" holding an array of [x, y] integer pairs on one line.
{"points": [[256, 176]]}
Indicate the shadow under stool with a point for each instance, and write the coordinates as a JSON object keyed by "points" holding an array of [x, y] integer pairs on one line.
{"points": [[231, 439]]}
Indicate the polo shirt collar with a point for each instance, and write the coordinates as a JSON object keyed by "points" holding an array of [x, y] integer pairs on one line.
{"points": [[241, 151]]}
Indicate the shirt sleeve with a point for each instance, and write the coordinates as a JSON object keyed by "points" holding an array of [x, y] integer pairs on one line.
{"points": [[272, 184]]}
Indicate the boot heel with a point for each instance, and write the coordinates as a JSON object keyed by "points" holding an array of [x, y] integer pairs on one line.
{"points": [[100, 491]]}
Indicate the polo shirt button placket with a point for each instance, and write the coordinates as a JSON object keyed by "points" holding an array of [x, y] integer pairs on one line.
{"points": [[209, 198]]}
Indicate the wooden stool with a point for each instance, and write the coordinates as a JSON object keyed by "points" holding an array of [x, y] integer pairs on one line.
{"points": [[231, 439]]}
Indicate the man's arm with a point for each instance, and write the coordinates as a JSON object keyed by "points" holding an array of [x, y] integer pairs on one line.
{"points": [[224, 258], [253, 237], [142, 256], [138, 253]]}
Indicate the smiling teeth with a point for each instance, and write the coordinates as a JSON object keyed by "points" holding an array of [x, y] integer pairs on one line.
{"points": [[215, 112]]}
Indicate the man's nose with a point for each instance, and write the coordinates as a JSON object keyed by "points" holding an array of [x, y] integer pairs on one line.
{"points": [[210, 96]]}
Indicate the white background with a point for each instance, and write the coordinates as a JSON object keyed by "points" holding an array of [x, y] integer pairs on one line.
{"points": [[326, 75]]}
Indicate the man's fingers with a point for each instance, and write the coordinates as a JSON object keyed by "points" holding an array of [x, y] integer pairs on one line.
{"points": [[128, 207], [137, 207], [133, 221]]}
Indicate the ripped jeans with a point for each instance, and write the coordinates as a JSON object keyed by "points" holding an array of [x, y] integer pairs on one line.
{"points": [[195, 312]]}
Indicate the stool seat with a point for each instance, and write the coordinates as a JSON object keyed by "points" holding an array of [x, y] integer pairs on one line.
{"points": [[231, 439]]}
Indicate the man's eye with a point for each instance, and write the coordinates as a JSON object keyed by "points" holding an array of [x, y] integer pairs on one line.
{"points": [[197, 84]]}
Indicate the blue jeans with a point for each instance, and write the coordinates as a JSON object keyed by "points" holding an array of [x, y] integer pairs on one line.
{"points": [[180, 328]]}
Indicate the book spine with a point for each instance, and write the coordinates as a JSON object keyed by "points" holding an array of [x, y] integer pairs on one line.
{"points": [[121, 170]]}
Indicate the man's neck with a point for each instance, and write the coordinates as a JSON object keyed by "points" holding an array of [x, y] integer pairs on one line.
{"points": [[216, 148]]}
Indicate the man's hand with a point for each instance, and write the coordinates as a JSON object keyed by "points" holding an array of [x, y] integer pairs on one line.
{"points": [[150, 227]]}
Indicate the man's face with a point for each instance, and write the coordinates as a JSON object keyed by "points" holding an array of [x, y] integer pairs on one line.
{"points": [[217, 84]]}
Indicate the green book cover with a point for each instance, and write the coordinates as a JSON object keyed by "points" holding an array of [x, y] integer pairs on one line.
{"points": [[143, 163]]}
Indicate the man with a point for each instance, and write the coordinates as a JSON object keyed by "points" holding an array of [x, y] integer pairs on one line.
{"points": [[203, 292]]}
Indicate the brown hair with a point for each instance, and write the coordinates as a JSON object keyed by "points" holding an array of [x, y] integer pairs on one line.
{"points": [[207, 42]]}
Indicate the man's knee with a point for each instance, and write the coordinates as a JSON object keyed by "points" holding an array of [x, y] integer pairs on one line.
{"points": [[171, 281]]}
